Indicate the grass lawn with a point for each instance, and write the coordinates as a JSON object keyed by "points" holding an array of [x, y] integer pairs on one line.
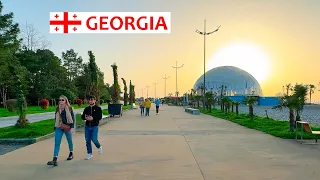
{"points": [[33, 130], [270, 126], [37, 129], [34, 110]]}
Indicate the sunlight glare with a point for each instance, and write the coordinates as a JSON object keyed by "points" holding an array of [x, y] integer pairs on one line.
{"points": [[244, 56]]}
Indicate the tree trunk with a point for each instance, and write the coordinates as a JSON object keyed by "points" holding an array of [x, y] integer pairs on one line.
{"points": [[4, 96], [310, 96], [251, 111], [232, 110], [291, 121], [21, 123], [237, 110], [298, 116]]}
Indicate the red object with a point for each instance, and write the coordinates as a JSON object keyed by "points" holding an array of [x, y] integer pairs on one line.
{"points": [[65, 22], [44, 103], [79, 102]]}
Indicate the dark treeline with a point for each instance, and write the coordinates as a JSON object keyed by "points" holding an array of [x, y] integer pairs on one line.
{"points": [[24, 55]]}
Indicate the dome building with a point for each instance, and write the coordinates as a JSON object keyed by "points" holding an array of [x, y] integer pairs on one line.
{"points": [[236, 82]]}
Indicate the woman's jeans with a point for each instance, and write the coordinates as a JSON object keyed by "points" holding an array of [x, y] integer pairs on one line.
{"points": [[147, 111], [58, 133], [91, 134], [142, 111]]}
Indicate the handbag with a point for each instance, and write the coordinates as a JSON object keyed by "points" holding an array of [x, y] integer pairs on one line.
{"points": [[65, 127]]}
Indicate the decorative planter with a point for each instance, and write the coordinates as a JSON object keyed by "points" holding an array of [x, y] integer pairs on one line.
{"points": [[115, 109]]}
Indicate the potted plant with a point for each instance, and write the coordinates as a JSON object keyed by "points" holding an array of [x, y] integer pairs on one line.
{"points": [[115, 108]]}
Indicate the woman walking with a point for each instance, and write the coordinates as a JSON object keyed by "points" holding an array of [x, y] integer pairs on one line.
{"points": [[141, 104], [64, 124]]}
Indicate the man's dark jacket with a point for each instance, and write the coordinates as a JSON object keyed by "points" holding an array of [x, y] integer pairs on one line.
{"points": [[94, 111]]}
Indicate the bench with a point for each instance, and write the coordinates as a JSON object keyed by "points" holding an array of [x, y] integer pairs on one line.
{"points": [[192, 111], [306, 126]]}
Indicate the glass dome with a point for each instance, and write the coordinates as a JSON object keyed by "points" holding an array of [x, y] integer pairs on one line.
{"points": [[236, 81]]}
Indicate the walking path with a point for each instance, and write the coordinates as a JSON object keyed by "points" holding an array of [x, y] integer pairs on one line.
{"points": [[10, 121], [171, 145]]}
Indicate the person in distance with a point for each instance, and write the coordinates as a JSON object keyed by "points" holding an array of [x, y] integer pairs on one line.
{"points": [[141, 104], [147, 104], [157, 102]]}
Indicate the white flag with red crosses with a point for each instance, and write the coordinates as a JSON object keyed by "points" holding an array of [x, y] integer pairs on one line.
{"points": [[110, 22], [65, 22]]}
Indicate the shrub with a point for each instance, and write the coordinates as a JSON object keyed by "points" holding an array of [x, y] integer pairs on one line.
{"points": [[11, 104], [79, 102], [44, 103]]}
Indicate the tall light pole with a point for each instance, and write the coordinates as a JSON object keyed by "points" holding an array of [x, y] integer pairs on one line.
{"points": [[142, 92], [155, 89], [147, 91], [176, 67], [205, 33], [165, 84]]}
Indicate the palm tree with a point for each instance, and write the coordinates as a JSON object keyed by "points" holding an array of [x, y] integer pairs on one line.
{"points": [[210, 100], [300, 92], [288, 87], [311, 90], [192, 95], [225, 101], [198, 99], [237, 103], [289, 102], [250, 100], [232, 106], [294, 102]]}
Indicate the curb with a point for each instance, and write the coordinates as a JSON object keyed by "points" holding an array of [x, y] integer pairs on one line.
{"points": [[41, 138], [26, 140]]}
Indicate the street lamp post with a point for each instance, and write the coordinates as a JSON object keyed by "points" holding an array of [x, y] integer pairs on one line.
{"points": [[176, 67], [142, 92], [147, 91], [165, 84], [155, 89], [205, 33]]}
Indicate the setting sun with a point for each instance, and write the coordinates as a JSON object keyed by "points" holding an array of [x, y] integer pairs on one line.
{"points": [[245, 56]]}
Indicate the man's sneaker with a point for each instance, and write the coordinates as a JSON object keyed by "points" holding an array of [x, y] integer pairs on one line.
{"points": [[100, 150], [88, 156]]}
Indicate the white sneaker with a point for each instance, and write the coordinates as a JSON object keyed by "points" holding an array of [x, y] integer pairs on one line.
{"points": [[88, 156], [100, 150]]}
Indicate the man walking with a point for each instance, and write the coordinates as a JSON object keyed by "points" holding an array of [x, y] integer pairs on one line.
{"points": [[92, 115], [148, 106], [157, 102]]}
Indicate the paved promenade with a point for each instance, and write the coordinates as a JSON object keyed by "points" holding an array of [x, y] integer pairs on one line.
{"points": [[169, 146], [10, 121]]}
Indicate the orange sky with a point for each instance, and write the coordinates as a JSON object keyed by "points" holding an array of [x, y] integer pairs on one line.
{"points": [[287, 31]]}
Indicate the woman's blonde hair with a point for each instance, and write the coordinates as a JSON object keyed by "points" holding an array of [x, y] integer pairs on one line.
{"points": [[66, 99], [67, 102]]}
